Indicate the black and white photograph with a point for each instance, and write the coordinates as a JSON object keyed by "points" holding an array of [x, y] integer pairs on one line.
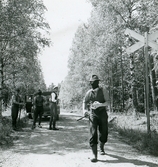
{"points": [[78, 83]]}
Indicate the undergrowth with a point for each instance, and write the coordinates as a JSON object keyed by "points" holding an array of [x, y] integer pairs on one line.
{"points": [[145, 143], [6, 137], [5, 132]]}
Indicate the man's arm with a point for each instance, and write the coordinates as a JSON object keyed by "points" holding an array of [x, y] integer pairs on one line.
{"points": [[34, 102], [85, 108], [14, 100], [44, 99]]}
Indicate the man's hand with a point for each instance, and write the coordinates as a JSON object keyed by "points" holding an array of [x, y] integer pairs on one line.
{"points": [[86, 113], [95, 105], [22, 104]]}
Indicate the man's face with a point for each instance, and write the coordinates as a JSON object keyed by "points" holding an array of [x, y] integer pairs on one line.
{"points": [[39, 93], [17, 92], [94, 84]]}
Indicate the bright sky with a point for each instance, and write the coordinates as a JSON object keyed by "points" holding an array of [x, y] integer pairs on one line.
{"points": [[64, 17]]}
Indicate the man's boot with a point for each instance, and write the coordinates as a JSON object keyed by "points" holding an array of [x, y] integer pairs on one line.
{"points": [[54, 126], [14, 128], [94, 151], [102, 152], [30, 116], [50, 126]]}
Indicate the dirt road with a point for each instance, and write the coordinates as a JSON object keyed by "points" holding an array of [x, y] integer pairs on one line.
{"points": [[69, 147]]}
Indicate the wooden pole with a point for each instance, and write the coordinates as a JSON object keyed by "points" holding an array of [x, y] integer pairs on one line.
{"points": [[147, 81]]}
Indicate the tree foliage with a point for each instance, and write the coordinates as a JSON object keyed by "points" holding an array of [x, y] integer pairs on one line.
{"points": [[99, 47], [23, 33]]}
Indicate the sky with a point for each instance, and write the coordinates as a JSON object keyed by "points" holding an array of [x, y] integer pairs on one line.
{"points": [[64, 17]]}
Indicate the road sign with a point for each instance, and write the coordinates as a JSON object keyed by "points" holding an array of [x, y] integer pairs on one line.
{"points": [[134, 47], [147, 40], [141, 39]]}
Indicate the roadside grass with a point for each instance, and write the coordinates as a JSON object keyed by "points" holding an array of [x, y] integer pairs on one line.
{"points": [[133, 131], [6, 132], [140, 140]]}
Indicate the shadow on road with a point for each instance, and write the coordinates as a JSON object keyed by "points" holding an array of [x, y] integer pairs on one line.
{"points": [[72, 136], [72, 139], [114, 159]]}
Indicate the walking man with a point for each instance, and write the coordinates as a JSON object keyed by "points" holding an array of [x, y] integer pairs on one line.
{"points": [[16, 104], [38, 109], [95, 105], [53, 109]]}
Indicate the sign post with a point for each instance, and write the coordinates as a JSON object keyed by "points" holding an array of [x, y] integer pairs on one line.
{"points": [[147, 80], [147, 40]]}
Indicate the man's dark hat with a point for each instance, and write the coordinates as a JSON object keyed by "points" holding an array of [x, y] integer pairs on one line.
{"points": [[55, 87], [17, 90], [94, 78], [39, 91]]}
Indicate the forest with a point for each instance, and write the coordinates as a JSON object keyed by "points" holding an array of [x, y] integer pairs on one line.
{"points": [[23, 34], [99, 47]]}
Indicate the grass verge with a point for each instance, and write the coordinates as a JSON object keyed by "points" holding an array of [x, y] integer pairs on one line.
{"points": [[136, 137], [6, 137]]}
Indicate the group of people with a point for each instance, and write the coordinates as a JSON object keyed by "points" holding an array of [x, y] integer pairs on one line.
{"points": [[95, 105], [37, 103]]}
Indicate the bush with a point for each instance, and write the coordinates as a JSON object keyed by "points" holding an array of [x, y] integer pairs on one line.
{"points": [[5, 132], [6, 137]]}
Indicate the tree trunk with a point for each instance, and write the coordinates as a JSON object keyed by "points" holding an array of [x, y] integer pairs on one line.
{"points": [[110, 84], [153, 82], [122, 82], [1, 81], [133, 87], [111, 91]]}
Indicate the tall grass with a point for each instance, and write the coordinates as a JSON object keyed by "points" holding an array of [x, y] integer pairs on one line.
{"points": [[6, 137], [140, 140], [5, 132]]}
